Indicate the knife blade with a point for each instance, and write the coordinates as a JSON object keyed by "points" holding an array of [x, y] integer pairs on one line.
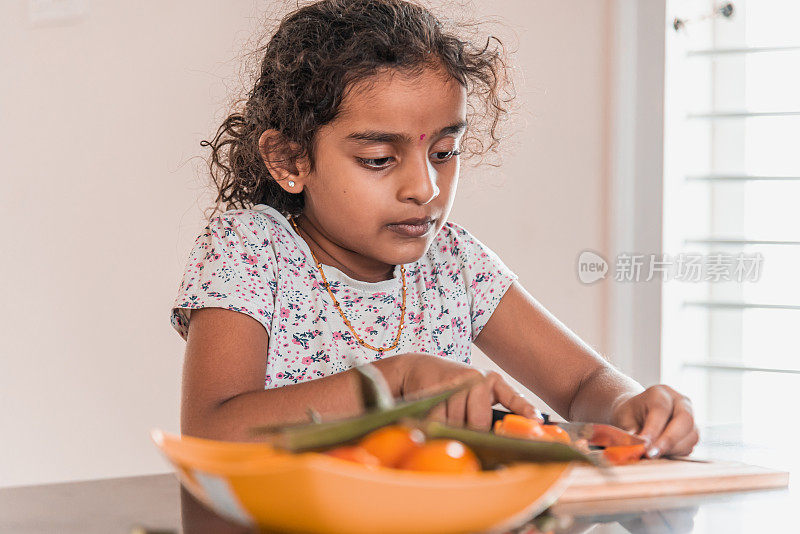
{"points": [[600, 435]]}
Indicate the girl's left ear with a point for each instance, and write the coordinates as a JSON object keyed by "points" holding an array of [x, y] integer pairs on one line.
{"points": [[277, 152]]}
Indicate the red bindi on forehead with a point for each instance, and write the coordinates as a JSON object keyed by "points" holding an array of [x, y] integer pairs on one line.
{"points": [[421, 137]]}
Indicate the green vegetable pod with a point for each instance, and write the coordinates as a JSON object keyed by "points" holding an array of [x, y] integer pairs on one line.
{"points": [[493, 450], [320, 436]]}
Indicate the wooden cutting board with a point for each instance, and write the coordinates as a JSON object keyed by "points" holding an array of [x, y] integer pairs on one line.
{"points": [[658, 478]]}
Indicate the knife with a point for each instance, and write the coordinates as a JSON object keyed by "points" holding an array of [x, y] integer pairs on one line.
{"points": [[596, 434]]}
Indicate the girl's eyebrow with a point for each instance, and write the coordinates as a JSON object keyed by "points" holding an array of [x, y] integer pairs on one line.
{"points": [[374, 136]]}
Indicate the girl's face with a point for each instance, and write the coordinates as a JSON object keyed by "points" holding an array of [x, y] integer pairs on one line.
{"points": [[391, 155]]}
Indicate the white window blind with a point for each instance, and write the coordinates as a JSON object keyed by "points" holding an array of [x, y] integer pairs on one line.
{"points": [[732, 187]]}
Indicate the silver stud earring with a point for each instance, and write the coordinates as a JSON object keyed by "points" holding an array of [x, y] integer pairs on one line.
{"points": [[291, 183]]}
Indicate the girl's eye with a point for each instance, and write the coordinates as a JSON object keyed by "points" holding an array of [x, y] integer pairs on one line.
{"points": [[374, 163], [446, 156]]}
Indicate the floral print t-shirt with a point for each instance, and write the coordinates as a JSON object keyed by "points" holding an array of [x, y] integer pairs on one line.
{"points": [[252, 261]]}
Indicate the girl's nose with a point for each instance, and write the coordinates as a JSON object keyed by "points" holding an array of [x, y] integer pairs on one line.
{"points": [[419, 183]]}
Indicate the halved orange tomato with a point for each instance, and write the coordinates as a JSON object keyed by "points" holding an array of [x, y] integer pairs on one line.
{"points": [[556, 433], [623, 454], [517, 426]]}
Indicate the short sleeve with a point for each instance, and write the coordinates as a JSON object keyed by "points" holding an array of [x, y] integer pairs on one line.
{"points": [[486, 277], [231, 266]]}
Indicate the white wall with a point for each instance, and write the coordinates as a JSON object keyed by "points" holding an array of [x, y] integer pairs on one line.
{"points": [[548, 202], [101, 200]]}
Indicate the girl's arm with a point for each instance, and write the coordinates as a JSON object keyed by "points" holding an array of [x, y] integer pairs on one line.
{"points": [[223, 393], [545, 356]]}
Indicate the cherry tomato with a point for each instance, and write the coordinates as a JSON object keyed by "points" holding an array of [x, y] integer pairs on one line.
{"points": [[442, 455], [391, 444]]}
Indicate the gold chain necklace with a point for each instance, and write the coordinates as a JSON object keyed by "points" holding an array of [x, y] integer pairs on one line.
{"points": [[341, 312]]}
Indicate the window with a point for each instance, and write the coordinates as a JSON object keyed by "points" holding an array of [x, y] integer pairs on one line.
{"points": [[732, 193]]}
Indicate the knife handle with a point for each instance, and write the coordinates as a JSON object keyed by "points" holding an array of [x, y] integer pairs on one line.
{"points": [[497, 415]]}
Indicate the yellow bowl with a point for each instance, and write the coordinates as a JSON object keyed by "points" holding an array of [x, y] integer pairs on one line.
{"points": [[256, 485]]}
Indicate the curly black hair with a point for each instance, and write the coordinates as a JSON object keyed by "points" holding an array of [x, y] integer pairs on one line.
{"points": [[320, 50]]}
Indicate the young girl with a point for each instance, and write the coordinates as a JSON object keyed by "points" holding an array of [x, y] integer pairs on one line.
{"points": [[339, 174]]}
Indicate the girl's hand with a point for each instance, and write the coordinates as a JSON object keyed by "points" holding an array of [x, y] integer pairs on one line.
{"points": [[473, 406], [663, 417]]}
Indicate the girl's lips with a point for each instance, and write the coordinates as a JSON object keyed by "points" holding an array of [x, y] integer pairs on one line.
{"points": [[412, 230]]}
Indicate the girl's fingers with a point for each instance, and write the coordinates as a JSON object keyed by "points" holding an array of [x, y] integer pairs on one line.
{"points": [[627, 419], [508, 397], [685, 446], [457, 408], [474, 405], [479, 407], [680, 426], [438, 413], [659, 411]]}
